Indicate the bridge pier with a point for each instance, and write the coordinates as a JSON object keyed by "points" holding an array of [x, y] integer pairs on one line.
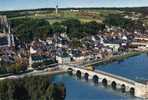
{"points": [[141, 90], [117, 82], [118, 86], [127, 88], [109, 82]]}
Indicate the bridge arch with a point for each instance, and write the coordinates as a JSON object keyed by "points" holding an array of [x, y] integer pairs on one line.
{"points": [[70, 71], [95, 79], [86, 75], [104, 82], [123, 88], [132, 91], [78, 74], [114, 85]]}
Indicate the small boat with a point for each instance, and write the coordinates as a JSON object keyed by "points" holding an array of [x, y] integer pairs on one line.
{"points": [[91, 68]]}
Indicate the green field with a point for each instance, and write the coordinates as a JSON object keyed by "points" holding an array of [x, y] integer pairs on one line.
{"points": [[83, 15]]}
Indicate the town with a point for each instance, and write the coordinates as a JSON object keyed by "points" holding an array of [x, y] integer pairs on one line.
{"points": [[33, 45], [59, 48]]}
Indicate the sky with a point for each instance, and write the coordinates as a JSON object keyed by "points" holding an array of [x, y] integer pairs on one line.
{"points": [[29, 4]]}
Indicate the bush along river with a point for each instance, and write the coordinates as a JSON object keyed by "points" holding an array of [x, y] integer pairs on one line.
{"points": [[32, 88]]}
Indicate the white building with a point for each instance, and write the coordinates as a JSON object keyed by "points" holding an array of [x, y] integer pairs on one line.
{"points": [[63, 59], [32, 51], [115, 47]]}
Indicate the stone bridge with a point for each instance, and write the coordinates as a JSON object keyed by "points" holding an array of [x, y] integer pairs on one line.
{"points": [[116, 82]]}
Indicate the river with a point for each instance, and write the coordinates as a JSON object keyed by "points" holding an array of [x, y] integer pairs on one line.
{"points": [[133, 68]]}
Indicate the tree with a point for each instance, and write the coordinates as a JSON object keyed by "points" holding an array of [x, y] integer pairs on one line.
{"points": [[116, 20], [3, 90], [75, 44], [17, 68], [73, 28], [31, 88], [27, 28], [135, 26], [21, 93], [58, 28], [92, 28]]}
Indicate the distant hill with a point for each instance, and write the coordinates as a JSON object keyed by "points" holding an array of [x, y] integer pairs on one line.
{"points": [[143, 10]]}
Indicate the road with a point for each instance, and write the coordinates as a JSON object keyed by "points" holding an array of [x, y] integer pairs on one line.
{"points": [[55, 70], [47, 71]]}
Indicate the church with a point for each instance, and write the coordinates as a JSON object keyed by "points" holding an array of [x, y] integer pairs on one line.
{"points": [[6, 38]]}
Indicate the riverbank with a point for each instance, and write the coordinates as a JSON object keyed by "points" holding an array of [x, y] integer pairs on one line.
{"points": [[117, 58], [123, 56], [57, 70], [49, 71], [32, 88]]}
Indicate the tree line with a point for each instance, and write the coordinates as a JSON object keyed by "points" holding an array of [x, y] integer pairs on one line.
{"points": [[31, 88], [28, 28], [14, 68]]}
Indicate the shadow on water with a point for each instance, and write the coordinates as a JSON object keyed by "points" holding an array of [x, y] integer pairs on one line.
{"points": [[104, 85], [82, 89], [120, 61]]}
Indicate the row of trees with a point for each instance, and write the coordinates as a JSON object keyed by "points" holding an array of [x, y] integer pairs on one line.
{"points": [[27, 29], [78, 30], [31, 88], [12, 68], [128, 24]]}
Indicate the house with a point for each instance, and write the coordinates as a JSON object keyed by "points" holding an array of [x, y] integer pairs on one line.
{"points": [[78, 56], [49, 40], [40, 52], [140, 43], [111, 43], [63, 58], [39, 47], [62, 42], [115, 47], [37, 59]]}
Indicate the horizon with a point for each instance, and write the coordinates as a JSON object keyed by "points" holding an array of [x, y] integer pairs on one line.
{"points": [[72, 8], [12, 5]]}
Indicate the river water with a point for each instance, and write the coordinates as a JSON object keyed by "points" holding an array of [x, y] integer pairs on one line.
{"points": [[133, 68]]}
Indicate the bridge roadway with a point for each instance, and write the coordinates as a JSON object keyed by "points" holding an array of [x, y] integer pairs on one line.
{"points": [[140, 43], [107, 79]]}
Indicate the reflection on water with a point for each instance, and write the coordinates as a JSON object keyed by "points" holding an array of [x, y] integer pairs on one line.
{"points": [[82, 90]]}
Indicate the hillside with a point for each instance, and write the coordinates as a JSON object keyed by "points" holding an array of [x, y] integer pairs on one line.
{"points": [[83, 14], [41, 22]]}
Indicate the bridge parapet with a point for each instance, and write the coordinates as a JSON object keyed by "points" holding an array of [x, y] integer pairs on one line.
{"points": [[140, 89], [117, 77]]}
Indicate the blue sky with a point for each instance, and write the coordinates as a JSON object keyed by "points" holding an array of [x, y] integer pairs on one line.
{"points": [[27, 4]]}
